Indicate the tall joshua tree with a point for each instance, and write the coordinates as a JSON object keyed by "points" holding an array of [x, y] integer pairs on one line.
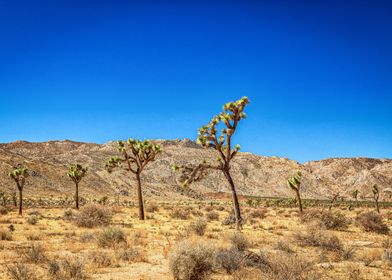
{"points": [[19, 175], [76, 173], [295, 184], [209, 136], [376, 196], [135, 155]]}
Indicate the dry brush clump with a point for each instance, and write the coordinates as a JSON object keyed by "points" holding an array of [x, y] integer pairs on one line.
{"points": [[180, 214], [239, 241], [192, 260], [319, 238], [93, 215], [198, 227], [21, 271], [372, 222], [67, 268], [5, 234], [111, 238]]}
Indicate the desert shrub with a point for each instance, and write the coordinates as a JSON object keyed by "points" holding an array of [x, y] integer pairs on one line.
{"points": [[220, 208], [284, 266], [284, 246], [5, 234], [32, 220], [239, 241], [229, 260], [209, 208], [229, 220], [372, 222], [101, 259], [181, 214], [86, 237], [197, 213], [198, 227], [35, 254], [191, 260], [310, 215], [387, 256], [258, 213], [334, 220], [33, 236], [111, 237], [3, 210], [152, 207], [319, 238], [131, 255], [347, 253], [93, 215], [212, 216], [21, 271], [69, 215], [68, 268]]}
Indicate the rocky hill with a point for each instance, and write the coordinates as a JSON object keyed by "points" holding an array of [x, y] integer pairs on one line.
{"points": [[254, 175]]}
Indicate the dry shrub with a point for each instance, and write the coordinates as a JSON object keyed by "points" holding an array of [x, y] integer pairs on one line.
{"points": [[284, 246], [284, 266], [239, 241], [258, 213], [229, 220], [152, 207], [310, 215], [3, 210], [35, 254], [198, 227], [192, 260], [31, 236], [86, 237], [131, 255], [67, 268], [21, 271], [334, 220], [69, 215], [5, 234], [372, 222], [181, 214], [32, 219], [212, 216], [101, 259], [111, 237], [229, 260], [93, 215], [319, 238]]}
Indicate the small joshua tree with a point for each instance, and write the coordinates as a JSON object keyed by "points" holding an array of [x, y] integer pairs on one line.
{"points": [[376, 196], [210, 137], [136, 154], [76, 173], [334, 198], [19, 175], [354, 195], [295, 184]]}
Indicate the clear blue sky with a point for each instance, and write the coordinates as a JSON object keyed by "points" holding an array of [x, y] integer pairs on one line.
{"points": [[319, 75]]}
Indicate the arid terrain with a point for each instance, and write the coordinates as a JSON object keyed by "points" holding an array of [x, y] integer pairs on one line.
{"points": [[254, 175], [189, 233]]}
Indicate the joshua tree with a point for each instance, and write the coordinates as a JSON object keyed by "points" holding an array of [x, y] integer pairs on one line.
{"points": [[136, 154], [19, 175], [295, 184], [354, 195], [210, 137], [76, 173], [376, 196], [335, 196]]}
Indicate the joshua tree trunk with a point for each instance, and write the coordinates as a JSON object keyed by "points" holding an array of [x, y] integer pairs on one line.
{"points": [[236, 204], [299, 201], [140, 197], [77, 195], [377, 206], [20, 201]]}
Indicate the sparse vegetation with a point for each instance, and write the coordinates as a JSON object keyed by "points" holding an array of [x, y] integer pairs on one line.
{"points": [[373, 222], [111, 238], [93, 215]]}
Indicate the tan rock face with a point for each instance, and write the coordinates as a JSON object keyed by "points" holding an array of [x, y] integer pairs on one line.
{"points": [[253, 175]]}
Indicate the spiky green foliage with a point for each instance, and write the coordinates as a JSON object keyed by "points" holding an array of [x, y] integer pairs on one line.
{"points": [[19, 174], [218, 135], [76, 173], [295, 184], [135, 155]]}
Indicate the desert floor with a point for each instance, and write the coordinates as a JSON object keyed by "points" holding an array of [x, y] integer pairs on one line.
{"points": [[46, 241]]}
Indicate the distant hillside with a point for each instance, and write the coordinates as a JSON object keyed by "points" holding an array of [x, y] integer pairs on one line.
{"points": [[254, 175]]}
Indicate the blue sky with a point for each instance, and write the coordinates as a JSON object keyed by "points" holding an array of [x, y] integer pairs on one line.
{"points": [[318, 73]]}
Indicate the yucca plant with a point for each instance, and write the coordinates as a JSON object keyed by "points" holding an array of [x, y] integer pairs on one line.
{"points": [[210, 137], [334, 198], [76, 173], [295, 184], [135, 155], [355, 195], [19, 175], [376, 196]]}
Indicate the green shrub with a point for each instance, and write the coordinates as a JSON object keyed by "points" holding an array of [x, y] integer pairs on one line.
{"points": [[111, 237]]}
